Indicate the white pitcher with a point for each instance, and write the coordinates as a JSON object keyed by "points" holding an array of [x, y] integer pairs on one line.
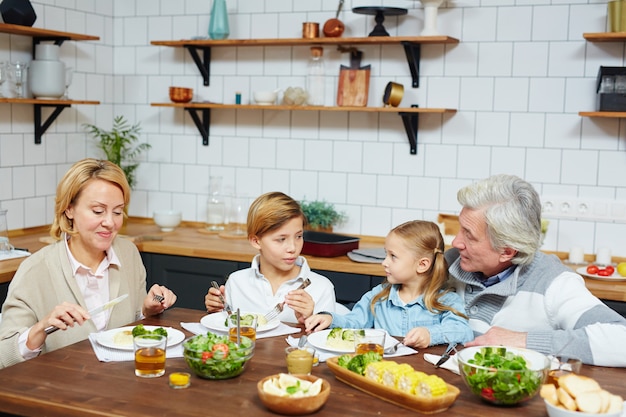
{"points": [[46, 75]]}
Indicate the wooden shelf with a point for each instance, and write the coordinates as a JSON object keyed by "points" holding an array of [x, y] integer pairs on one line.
{"points": [[41, 35], [411, 44], [409, 115], [43, 101], [605, 114], [209, 105], [44, 34], [371, 40], [605, 37], [201, 112], [41, 125]]}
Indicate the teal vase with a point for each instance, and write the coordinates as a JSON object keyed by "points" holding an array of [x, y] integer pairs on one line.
{"points": [[218, 26]]}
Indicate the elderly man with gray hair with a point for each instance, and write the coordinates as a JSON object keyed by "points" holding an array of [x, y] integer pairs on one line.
{"points": [[516, 295]]}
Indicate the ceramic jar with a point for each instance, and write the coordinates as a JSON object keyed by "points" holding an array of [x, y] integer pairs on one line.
{"points": [[46, 74]]}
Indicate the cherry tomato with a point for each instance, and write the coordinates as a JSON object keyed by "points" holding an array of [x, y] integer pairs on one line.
{"points": [[604, 272], [592, 269], [206, 355], [611, 269], [222, 348]]}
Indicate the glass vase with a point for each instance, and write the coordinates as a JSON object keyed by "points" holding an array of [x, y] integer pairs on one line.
{"points": [[218, 25]]}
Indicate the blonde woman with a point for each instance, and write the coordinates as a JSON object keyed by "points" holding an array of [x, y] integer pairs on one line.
{"points": [[86, 267]]}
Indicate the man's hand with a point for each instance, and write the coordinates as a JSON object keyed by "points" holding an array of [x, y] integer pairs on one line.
{"points": [[499, 336]]}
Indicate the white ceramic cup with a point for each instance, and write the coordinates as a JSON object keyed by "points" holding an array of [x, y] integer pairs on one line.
{"points": [[576, 255], [603, 256]]}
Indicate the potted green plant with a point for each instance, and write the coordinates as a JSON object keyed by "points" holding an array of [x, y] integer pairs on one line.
{"points": [[119, 145], [321, 215]]}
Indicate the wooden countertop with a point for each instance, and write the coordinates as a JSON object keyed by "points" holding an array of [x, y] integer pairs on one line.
{"points": [[191, 239]]}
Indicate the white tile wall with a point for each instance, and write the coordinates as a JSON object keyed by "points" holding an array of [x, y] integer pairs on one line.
{"points": [[518, 78]]}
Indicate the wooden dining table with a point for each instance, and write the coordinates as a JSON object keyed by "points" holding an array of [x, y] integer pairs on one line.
{"points": [[72, 382]]}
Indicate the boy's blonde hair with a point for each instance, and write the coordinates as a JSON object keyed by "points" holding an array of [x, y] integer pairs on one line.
{"points": [[270, 211]]}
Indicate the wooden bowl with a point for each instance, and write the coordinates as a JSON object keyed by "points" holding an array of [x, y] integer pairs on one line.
{"points": [[181, 94], [294, 406]]}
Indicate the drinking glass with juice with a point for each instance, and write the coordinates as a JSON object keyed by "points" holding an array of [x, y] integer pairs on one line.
{"points": [[371, 340], [247, 327], [150, 355]]}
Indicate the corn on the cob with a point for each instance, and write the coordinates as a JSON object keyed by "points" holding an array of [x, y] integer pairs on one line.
{"points": [[404, 378], [392, 375], [431, 386], [374, 370], [408, 382]]}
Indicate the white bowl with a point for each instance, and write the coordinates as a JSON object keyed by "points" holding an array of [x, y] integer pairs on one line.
{"points": [[265, 97], [561, 412], [167, 219]]}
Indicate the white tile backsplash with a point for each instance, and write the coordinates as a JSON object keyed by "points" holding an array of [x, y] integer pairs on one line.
{"points": [[518, 77]]}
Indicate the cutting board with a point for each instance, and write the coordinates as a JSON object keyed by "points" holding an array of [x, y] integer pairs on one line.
{"points": [[354, 82]]}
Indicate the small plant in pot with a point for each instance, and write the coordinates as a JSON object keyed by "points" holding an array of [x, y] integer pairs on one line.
{"points": [[119, 145], [321, 215]]}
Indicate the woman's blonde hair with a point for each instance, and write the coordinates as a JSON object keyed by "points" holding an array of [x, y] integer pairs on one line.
{"points": [[425, 240], [270, 211], [73, 183]]}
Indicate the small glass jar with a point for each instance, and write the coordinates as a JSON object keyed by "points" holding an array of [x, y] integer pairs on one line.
{"points": [[180, 380]]}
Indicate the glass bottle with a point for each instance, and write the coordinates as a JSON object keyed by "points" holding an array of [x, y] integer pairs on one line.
{"points": [[218, 25], [316, 81], [216, 206]]}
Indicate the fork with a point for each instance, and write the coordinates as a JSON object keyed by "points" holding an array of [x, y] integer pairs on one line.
{"points": [[229, 310], [278, 308]]}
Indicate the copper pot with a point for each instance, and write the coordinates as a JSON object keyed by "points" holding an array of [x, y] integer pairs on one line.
{"points": [[334, 28]]}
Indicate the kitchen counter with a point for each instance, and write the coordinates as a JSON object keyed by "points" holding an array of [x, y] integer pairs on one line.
{"points": [[191, 239]]}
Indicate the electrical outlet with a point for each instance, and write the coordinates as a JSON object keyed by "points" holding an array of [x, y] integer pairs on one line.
{"points": [[561, 207]]}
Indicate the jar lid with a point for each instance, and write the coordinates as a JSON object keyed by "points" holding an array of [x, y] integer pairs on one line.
{"points": [[317, 51]]}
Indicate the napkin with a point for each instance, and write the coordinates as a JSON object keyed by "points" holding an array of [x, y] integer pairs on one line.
{"points": [[282, 329], [15, 253], [325, 354], [451, 364], [106, 354]]}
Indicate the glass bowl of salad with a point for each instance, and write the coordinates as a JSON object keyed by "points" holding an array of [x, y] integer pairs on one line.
{"points": [[503, 375], [213, 356]]}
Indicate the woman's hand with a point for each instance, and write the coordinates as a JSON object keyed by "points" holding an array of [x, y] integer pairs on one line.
{"points": [[418, 337], [317, 322], [301, 303], [151, 305], [63, 316], [212, 300]]}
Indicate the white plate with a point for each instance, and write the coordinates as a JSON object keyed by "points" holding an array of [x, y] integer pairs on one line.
{"points": [[106, 338], [318, 341], [615, 277], [215, 321]]}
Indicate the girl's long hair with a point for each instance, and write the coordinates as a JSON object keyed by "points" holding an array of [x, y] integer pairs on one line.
{"points": [[425, 240]]}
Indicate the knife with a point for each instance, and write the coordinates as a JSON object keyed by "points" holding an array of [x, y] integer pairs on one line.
{"points": [[93, 312], [446, 355]]}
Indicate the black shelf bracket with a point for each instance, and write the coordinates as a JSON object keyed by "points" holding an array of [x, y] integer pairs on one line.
{"points": [[411, 123], [40, 128], [58, 40], [413, 53], [202, 125], [204, 63]]}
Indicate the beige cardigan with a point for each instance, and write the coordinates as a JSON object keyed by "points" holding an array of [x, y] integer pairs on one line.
{"points": [[45, 280]]}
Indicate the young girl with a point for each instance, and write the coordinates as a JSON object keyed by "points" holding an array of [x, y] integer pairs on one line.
{"points": [[275, 228], [412, 301]]}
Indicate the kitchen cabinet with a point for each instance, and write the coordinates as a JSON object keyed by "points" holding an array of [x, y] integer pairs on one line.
{"points": [[191, 277], [604, 37], [200, 51], [45, 35]]}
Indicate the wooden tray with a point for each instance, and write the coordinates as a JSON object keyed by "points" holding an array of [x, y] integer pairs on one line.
{"points": [[402, 399]]}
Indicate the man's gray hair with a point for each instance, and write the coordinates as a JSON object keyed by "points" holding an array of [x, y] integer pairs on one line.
{"points": [[512, 210]]}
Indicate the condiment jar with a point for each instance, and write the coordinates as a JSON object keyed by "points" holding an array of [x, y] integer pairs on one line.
{"points": [[46, 74]]}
